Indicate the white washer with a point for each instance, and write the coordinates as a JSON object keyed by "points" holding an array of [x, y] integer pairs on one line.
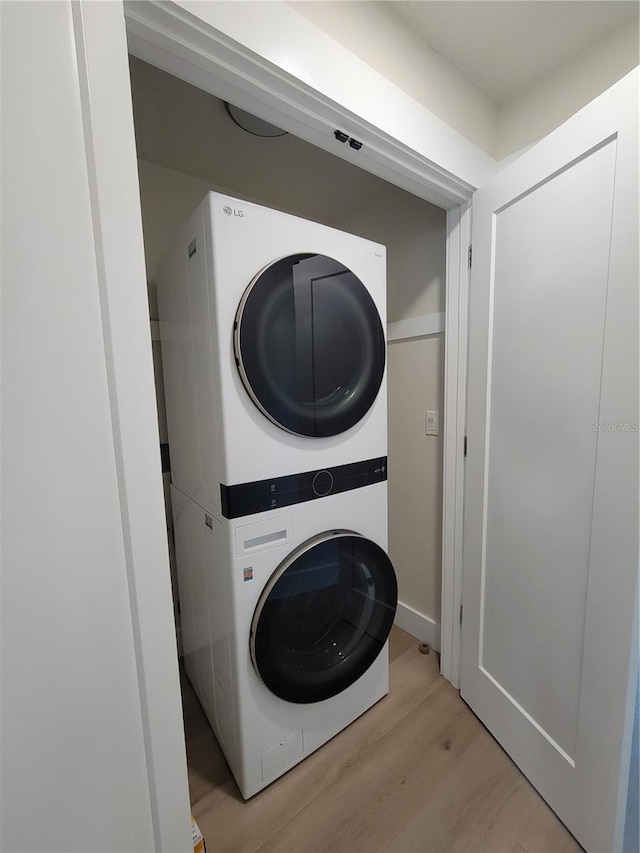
{"points": [[273, 346], [285, 617]]}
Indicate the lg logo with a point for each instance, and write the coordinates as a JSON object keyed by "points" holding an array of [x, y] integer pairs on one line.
{"points": [[230, 211]]}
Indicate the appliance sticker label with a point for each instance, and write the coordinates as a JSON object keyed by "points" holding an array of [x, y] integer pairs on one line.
{"points": [[247, 574]]}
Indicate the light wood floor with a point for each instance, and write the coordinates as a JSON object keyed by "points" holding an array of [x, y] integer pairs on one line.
{"points": [[418, 772]]}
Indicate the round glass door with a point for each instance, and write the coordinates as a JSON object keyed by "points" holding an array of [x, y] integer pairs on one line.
{"points": [[309, 345], [324, 617]]}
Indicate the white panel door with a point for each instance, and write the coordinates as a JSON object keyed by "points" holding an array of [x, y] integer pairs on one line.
{"points": [[551, 502]]}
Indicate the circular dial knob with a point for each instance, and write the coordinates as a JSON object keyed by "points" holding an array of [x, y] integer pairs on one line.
{"points": [[322, 483]]}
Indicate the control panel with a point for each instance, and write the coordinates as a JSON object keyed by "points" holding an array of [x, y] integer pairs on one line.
{"points": [[263, 495]]}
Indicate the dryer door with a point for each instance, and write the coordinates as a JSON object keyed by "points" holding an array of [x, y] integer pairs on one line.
{"points": [[309, 345], [324, 617]]}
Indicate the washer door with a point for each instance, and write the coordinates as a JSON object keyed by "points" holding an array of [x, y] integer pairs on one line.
{"points": [[324, 617], [309, 345]]}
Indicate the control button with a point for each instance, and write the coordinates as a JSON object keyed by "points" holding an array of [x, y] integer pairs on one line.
{"points": [[322, 483]]}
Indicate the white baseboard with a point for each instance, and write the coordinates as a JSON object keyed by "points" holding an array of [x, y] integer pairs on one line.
{"points": [[421, 626]]}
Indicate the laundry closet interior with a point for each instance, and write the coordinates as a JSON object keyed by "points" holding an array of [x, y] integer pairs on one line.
{"points": [[188, 145]]}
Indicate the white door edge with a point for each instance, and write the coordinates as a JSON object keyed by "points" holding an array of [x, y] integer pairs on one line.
{"points": [[455, 383]]}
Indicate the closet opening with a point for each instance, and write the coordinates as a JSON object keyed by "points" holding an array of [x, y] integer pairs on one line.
{"points": [[189, 143]]}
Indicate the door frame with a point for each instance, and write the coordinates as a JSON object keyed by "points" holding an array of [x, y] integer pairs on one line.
{"points": [[176, 39]]}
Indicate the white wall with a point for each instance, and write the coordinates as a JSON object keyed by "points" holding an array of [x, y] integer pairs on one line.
{"points": [[415, 474], [372, 32], [536, 112], [500, 130], [190, 130]]}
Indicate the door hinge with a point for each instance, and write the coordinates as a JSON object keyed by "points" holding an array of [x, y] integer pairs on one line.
{"points": [[461, 614], [470, 254], [465, 446]]}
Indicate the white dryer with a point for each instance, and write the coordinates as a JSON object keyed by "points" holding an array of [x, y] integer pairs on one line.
{"points": [[285, 617], [273, 340]]}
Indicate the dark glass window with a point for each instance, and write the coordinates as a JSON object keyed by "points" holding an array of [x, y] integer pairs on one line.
{"points": [[324, 617], [309, 345]]}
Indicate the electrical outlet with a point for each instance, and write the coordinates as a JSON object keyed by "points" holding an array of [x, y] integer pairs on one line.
{"points": [[431, 423]]}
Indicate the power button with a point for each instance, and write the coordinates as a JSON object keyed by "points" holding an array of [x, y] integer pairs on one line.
{"points": [[322, 483]]}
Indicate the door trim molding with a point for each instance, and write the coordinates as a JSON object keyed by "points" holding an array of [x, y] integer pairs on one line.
{"points": [[171, 38]]}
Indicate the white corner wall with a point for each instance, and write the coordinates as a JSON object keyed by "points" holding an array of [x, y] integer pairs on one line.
{"points": [[545, 106], [364, 27], [500, 130]]}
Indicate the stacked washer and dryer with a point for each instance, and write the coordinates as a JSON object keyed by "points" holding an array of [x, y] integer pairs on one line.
{"points": [[273, 351]]}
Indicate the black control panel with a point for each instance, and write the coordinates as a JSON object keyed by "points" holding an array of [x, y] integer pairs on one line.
{"points": [[263, 495]]}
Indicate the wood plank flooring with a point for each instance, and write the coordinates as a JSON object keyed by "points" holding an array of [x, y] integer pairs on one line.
{"points": [[418, 772]]}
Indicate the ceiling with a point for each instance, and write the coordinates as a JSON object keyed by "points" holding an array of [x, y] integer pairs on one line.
{"points": [[505, 46]]}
